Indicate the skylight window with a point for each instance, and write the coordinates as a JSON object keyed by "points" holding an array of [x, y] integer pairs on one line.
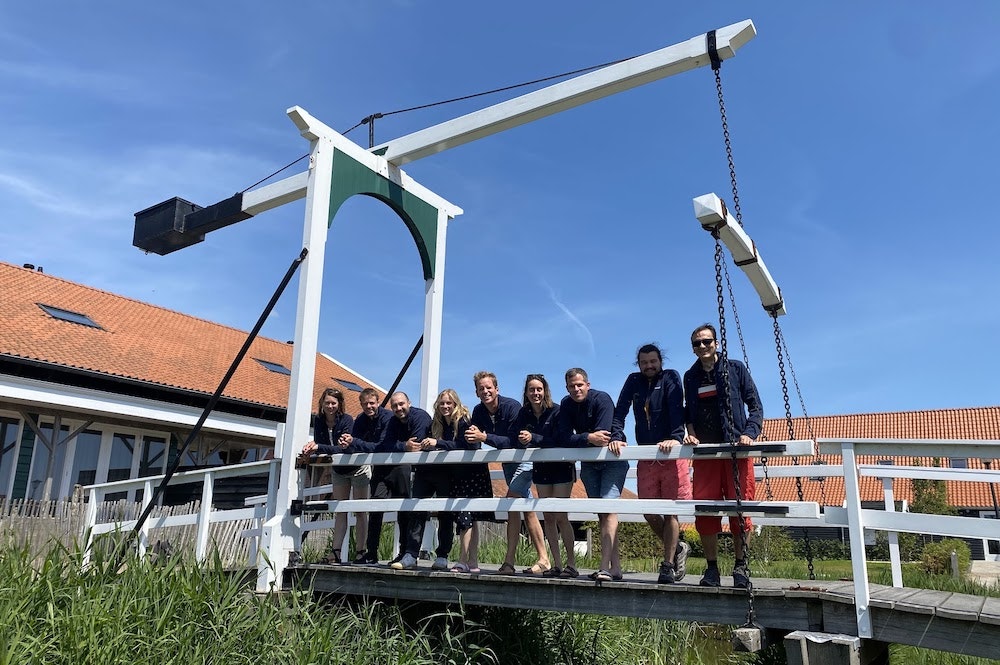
{"points": [[67, 315], [350, 385], [274, 367]]}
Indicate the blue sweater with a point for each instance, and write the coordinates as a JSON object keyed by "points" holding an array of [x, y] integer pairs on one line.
{"points": [[578, 419], [542, 428], [658, 408], [371, 429], [498, 432], [397, 433], [742, 391], [326, 437]]}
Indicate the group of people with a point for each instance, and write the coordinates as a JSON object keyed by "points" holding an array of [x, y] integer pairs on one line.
{"points": [[715, 402]]}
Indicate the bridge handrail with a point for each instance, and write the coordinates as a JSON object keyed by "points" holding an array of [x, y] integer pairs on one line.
{"points": [[803, 447]]}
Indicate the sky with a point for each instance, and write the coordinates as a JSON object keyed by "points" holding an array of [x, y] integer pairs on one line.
{"points": [[864, 136]]}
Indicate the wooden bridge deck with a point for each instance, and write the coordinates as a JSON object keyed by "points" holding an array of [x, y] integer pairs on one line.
{"points": [[940, 620]]}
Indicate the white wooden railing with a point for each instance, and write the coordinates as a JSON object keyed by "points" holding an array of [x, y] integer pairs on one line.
{"points": [[786, 513]]}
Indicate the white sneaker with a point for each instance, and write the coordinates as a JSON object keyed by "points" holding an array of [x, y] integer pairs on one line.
{"points": [[408, 562], [680, 560], [440, 563]]}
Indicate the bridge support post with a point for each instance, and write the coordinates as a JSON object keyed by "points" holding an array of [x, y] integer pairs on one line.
{"points": [[812, 648]]}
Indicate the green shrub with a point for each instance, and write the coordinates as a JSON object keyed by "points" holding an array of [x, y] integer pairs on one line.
{"points": [[909, 547], [772, 544], [693, 538], [936, 558], [823, 549], [636, 540]]}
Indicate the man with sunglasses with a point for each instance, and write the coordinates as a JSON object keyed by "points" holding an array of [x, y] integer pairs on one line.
{"points": [[715, 413], [656, 398]]}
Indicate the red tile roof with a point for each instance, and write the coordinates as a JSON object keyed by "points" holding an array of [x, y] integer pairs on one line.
{"points": [[143, 342], [977, 423]]}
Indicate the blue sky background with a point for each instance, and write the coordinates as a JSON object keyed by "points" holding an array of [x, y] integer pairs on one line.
{"points": [[865, 137]]}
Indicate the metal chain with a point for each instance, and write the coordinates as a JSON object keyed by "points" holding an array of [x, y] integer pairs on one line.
{"points": [[729, 148], [728, 421], [791, 437], [798, 391]]}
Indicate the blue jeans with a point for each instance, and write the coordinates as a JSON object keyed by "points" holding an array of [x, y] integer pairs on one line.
{"points": [[604, 480]]}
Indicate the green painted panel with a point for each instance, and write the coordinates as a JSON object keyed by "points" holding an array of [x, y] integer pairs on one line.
{"points": [[27, 447], [351, 177]]}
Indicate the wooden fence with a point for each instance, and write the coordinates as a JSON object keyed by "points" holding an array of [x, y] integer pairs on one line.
{"points": [[42, 525]]}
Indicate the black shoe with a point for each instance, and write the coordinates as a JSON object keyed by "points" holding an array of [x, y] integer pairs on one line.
{"points": [[680, 560], [362, 559], [666, 573], [711, 578], [741, 577], [397, 558]]}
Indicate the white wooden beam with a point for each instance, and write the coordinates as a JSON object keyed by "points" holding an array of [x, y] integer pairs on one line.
{"points": [[569, 94], [712, 214]]}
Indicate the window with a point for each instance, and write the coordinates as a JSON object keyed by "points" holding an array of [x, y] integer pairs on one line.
{"points": [[886, 462], [67, 315], [274, 367], [350, 385], [8, 451], [958, 462]]}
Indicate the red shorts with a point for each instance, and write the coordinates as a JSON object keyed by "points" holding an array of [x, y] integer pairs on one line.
{"points": [[664, 479], [713, 479]]}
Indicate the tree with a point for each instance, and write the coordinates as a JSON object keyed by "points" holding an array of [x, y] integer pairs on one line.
{"points": [[931, 496]]}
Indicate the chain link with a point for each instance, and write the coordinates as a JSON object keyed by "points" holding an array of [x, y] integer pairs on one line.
{"points": [[791, 437], [728, 422], [729, 148]]}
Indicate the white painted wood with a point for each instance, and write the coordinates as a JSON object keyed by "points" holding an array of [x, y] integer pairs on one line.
{"points": [[591, 454], [276, 194], [856, 528], [894, 561], [569, 94], [204, 513], [797, 510], [433, 317], [96, 403], [142, 542], [712, 214], [915, 447], [931, 473], [89, 522]]}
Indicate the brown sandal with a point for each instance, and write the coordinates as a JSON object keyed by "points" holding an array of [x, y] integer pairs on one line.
{"points": [[507, 569], [537, 569]]}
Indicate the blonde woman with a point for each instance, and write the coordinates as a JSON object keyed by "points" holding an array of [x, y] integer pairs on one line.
{"points": [[451, 421]]}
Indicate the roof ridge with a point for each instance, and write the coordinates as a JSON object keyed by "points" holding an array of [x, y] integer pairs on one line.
{"points": [[892, 413]]}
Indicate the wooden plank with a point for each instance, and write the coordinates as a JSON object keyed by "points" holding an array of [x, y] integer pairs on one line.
{"points": [[923, 602], [961, 606], [887, 597], [990, 613]]}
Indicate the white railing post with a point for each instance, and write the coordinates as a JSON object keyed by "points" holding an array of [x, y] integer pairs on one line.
{"points": [[142, 543], [89, 521], [856, 528], [894, 560], [204, 517]]}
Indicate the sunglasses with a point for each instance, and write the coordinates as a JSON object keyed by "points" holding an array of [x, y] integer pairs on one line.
{"points": [[695, 343]]}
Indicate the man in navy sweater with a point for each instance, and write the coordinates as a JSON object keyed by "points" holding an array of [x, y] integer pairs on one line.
{"points": [[585, 419], [722, 407], [409, 423], [368, 430], [492, 420], [656, 398]]}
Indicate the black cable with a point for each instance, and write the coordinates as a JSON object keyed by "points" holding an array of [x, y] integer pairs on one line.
{"points": [[213, 400], [289, 164], [370, 119]]}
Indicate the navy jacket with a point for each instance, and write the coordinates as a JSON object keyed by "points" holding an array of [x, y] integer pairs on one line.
{"points": [[542, 428], [397, 433], [326, 437], [498, 433], [658, 408], [742, 391], [453, 438], [578, 419], [371, 429]]}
